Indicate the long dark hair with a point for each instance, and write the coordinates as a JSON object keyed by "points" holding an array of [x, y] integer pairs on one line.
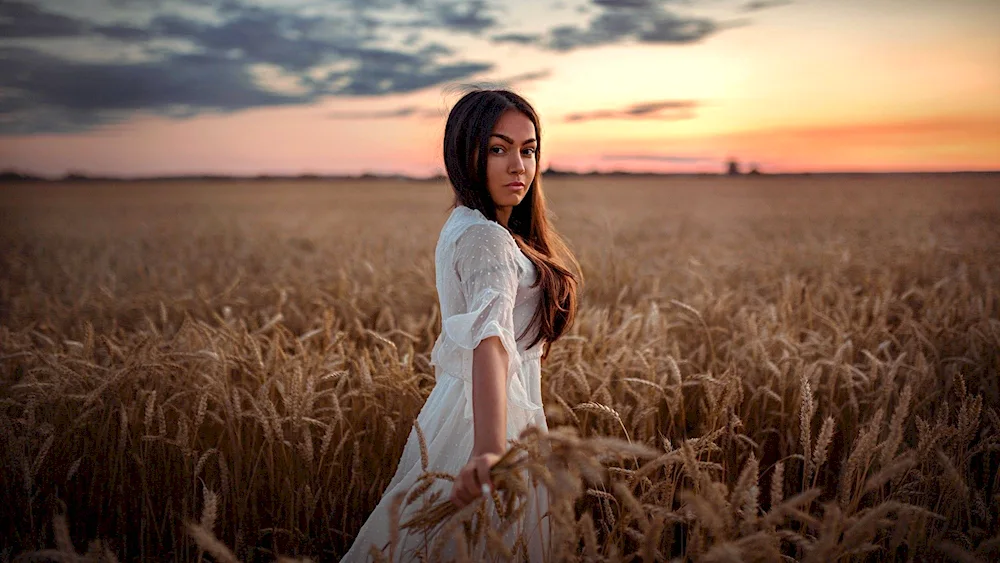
{"points": [[466, 142]]}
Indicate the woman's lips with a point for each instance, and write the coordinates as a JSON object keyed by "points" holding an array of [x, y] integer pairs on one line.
{"points": [[516, 186]]}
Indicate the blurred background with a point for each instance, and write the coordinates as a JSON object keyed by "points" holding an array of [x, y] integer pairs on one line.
{"points": [[349, 87]]}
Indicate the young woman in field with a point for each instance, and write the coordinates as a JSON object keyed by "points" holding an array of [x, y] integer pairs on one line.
{"points": [[507, 291]]}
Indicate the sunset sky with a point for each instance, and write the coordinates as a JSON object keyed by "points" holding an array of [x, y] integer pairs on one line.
{"points": [[164, 87]]}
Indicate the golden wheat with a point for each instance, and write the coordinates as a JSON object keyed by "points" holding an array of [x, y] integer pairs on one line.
{"points": [[265, 356]]}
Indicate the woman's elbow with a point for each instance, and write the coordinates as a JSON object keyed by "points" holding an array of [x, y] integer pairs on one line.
{"points": [[491, 350]]}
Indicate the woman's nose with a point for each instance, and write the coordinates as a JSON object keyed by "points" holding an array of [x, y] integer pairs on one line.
{"points": [[516, 164]]}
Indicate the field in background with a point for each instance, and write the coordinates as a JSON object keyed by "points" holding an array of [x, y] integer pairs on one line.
{"points": [[815, 360]]}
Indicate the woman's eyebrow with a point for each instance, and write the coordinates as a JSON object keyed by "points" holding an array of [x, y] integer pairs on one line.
{"points": [[511, 141]]}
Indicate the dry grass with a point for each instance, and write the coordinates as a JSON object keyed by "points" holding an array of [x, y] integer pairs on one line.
{"points": [[806, 368]]}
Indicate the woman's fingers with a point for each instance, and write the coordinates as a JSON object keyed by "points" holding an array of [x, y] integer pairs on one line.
{"points": [[469, 485], [482, 471], [458, 495], [458, 498], [473, 480]]}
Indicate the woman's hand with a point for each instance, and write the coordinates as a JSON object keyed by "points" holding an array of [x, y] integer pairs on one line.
{"points": [[471, 479]]}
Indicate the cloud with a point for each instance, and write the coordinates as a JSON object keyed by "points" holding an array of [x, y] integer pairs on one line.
{"points": [[625, 3], [670, 158], [427, 113], [64, 66], [472, 16], [407, 111], [518, 38], [527, 77], [511, 81], [666, 110], [20, 19], [50, 95], [620, 21], [232, 56], [388, 72], [758, 5]]}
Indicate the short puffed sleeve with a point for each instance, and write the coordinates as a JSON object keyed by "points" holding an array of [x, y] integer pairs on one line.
{"points": [[486, 264]]}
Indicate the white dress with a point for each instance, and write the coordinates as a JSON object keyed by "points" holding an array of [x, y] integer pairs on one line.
{"points": [[483, 284]]}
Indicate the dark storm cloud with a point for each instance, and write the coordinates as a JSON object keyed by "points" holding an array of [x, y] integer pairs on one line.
{"points": [[667, 110], [339, 55]]}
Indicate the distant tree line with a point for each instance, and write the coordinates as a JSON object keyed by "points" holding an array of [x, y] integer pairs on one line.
{"points": [[15, 176], [733, 168]]}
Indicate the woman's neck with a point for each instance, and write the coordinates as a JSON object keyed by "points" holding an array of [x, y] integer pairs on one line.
{"points": [[503, 214]]}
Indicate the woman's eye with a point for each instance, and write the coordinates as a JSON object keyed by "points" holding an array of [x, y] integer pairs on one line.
{"points": [[496, 150], [529, 152]]}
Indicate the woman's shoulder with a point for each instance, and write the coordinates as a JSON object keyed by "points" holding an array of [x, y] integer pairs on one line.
{"points": [[470, 227]]}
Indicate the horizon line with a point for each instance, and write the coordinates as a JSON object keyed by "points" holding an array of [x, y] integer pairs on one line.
{"points": [[14, 175]]}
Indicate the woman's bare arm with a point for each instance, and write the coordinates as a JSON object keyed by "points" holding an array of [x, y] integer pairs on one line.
{"points": [[489, 414], [489, 397]]}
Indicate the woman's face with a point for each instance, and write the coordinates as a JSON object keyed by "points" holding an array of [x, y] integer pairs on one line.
{"points": [[511, 161]]}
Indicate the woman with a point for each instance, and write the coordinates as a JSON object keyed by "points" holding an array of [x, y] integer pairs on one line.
{"points": [[506, 292]]}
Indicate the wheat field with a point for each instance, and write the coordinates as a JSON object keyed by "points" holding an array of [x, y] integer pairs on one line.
{"points": [[763, 368]]}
